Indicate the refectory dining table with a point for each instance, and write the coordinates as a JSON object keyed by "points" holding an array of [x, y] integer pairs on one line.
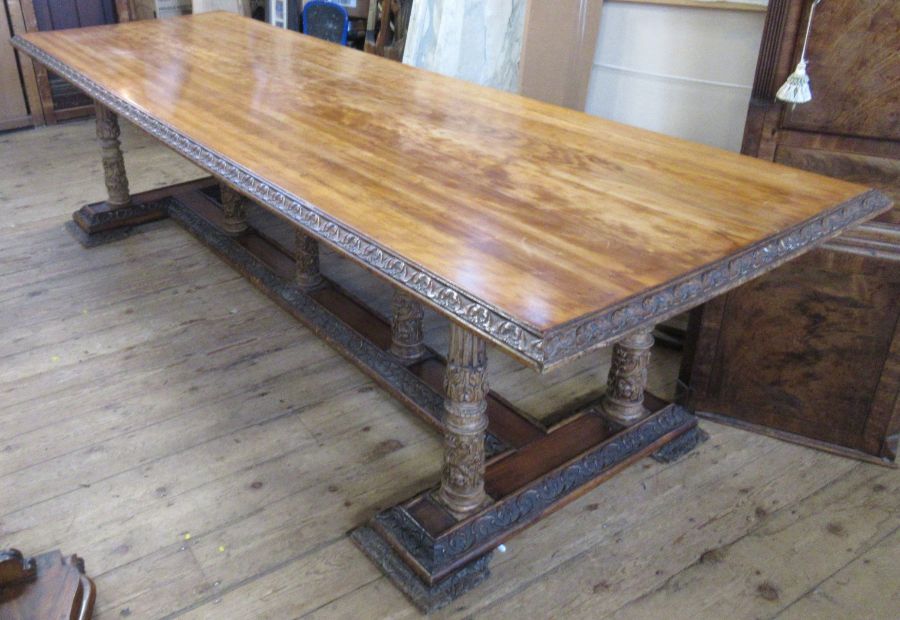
{"points": [[542, 231]]}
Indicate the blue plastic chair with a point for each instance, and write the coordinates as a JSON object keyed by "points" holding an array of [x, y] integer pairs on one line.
{"points": [[326, 20]]}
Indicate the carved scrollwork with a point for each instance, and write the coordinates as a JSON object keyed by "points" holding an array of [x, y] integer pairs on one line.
{"points": [[407, 339], [114, 173], [306, 255], [463, 460], [465, 388], [235, 221], [541, 349], [623, 402]]}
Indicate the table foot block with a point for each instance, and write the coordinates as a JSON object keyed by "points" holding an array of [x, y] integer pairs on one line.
{"points": [[433, 546], [681, 446], [100, 223], [426, 597]]}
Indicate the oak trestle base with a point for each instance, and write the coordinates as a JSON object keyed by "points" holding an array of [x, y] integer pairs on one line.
{"points": [[430, 552]]}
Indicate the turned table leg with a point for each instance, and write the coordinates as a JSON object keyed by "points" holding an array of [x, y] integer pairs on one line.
{"points": [[108, 133], [465, 385], [235, 221], [406, 327], [623, 402], [102, 222], [306, 253]]}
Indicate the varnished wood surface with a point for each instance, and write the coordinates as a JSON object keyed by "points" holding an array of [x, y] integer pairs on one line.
{"points": [[545, 214], [148, 392]]}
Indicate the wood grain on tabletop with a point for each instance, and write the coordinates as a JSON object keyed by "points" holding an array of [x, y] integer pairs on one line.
{"points": [[544, 213]]}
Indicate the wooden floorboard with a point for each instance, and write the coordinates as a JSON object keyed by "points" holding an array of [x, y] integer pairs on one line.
{"points": [[206, 455]]}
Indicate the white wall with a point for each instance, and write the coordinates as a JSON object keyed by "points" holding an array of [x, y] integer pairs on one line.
{"points": [[681, 71]]}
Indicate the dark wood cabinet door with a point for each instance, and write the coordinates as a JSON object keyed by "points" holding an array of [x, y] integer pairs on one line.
{"points": [[59, 99], [853, 69], [59, 14], [811, 351]]}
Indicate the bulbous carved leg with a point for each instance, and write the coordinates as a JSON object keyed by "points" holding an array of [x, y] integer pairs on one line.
{"points": [[465, 387], [306, 250], [623, 402], [233, 208], [406, 327], [113, 161]]}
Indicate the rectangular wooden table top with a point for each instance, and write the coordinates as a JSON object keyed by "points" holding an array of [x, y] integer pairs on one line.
{"points": [[546, 230]]}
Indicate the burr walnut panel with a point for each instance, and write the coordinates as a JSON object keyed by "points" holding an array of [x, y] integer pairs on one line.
{"points": [[547, 230], [853, 93]]}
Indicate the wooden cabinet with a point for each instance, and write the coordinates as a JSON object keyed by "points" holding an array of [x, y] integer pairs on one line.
{"points": [[811, 352], [20, 104], [59, 99], [13, 106]]}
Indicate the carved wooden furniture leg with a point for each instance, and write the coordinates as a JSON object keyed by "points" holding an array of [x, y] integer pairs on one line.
{"points": [[235, 220], [465, 388], [623, 403], [496, 481], [306, 251], [407, 341], [108, 133], [118, 212]]}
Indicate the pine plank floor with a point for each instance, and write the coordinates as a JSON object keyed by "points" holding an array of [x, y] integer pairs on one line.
{"points": [[206, 455]]}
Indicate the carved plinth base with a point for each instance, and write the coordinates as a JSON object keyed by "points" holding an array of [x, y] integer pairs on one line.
{"points": [[426, 597], [681, 446], [421, 545], [99, 223]]}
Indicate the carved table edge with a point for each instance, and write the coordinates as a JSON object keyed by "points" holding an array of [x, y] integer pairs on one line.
{"points": [[541, 349]]}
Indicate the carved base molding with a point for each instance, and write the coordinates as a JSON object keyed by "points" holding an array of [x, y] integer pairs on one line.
{"points": [[682, 446], [426, 597], [430, 552], [99, 223], [439, 550]]}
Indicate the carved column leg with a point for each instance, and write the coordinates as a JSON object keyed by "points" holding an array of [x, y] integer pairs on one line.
{"points": [[113, 162], [406, 327], [624, 399], [465, 386], [306, 250], [233, 208], [112, 219]]}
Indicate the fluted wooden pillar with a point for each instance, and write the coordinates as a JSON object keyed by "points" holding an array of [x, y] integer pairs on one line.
{"points": [[407, 340], [306, 253], [466, 386], [113, 162], [233, 208], [623, 402]]}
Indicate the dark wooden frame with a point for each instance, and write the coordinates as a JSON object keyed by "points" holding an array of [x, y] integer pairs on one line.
{"points": [[871, 245]]}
